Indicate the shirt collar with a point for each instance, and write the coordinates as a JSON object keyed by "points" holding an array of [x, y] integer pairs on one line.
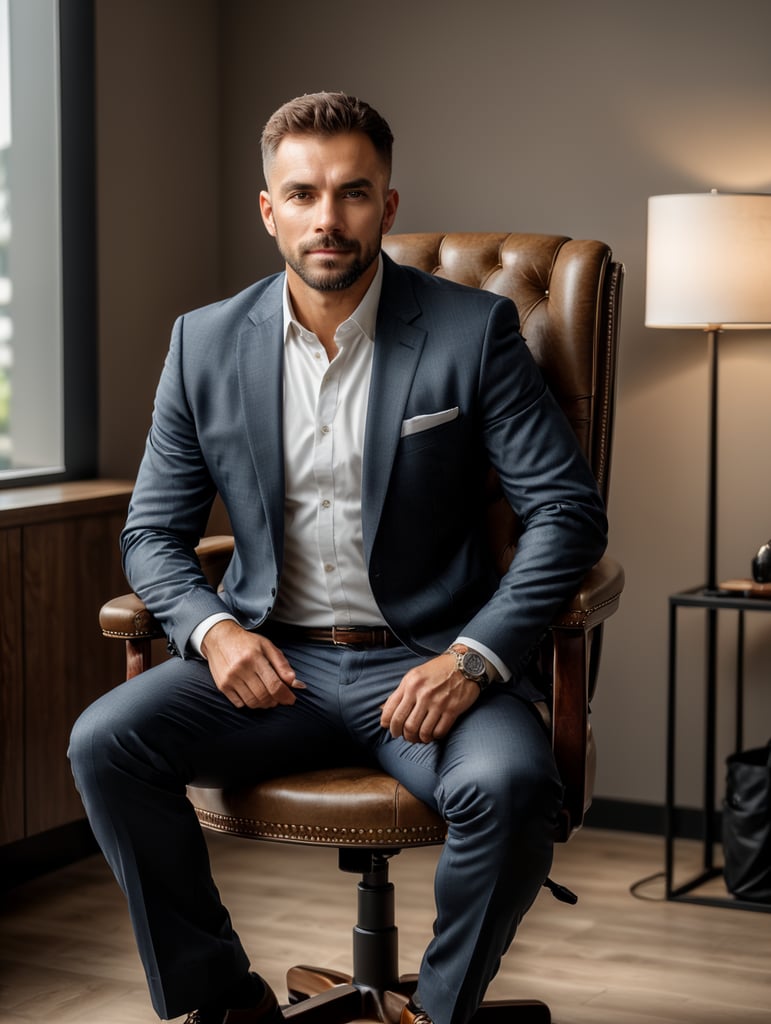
{"points": [[364, 316]]}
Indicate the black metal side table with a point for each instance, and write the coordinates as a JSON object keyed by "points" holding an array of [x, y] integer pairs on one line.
{"points": [[712, 601]]}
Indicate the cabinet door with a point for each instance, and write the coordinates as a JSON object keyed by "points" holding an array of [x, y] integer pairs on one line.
{"points": [[11, 689], [71, 567]]}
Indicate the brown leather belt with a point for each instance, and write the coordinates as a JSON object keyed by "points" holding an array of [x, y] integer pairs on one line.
{"points": [[336, 636]]}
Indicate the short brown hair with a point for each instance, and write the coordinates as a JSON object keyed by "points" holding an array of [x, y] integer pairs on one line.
{"points": [[326, 113]]}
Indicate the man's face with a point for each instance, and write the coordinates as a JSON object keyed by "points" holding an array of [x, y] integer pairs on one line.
{"points": [[327, 205]]}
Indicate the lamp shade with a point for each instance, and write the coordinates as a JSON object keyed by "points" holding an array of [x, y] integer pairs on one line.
{"points": [[709, 261]]}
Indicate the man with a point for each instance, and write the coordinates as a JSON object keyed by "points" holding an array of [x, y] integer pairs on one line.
{"points": [[346, 411]]}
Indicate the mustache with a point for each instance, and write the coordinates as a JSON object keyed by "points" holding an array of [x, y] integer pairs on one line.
{"points": [[330, 242]]}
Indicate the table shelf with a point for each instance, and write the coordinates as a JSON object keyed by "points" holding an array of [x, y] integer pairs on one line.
{"points": [[711, 602]]}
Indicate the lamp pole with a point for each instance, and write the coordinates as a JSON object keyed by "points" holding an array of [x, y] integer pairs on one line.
{"points": [[711, 582], [710, 736]]}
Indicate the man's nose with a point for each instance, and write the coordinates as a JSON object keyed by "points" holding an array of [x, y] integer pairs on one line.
{"points": [[328, 217]]}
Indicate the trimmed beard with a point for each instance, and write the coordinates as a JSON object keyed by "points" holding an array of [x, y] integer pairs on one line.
{"points": [[332, 281]]}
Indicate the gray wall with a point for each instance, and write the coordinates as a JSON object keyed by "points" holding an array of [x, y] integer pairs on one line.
{"points": [[557, 117]]}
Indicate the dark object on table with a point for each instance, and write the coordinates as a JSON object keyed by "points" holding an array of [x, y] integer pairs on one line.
{"points": [[761, 564]]}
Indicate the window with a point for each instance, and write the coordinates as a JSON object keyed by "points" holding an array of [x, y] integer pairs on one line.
{"points": [[47, 320], [6, 324]]}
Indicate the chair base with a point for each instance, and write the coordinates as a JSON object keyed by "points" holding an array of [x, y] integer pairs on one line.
{"points": [[321, 996], [376, 992]]}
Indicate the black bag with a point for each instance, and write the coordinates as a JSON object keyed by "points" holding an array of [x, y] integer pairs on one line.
{"points": [[747, 825]]}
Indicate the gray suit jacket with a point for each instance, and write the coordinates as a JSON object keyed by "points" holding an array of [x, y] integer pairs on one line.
{"points": [[439, 347]]}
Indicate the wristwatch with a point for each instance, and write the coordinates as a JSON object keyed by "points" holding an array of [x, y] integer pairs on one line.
{"points": [[471, 664]]}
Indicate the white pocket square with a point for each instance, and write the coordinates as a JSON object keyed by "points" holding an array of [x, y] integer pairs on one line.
{"points": [[432, 419]]}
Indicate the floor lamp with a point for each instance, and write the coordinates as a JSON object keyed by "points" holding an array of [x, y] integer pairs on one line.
{"points": [[708, 268]]}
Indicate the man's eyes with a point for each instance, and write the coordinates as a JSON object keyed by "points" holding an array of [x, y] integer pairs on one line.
{"points": [[351, 193]]}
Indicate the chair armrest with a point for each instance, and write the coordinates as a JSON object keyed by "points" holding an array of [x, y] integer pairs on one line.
{"points": [[577, 634], [126, 618], [596, 599]]}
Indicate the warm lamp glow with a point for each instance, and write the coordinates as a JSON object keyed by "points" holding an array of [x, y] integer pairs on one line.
{"points": [[709, 261]]}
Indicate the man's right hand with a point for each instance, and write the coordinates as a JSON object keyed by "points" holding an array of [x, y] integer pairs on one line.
{"points": [[247, 668]]}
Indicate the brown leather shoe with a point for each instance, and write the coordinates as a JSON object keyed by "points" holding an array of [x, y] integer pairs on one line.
{"points": [[267, 1011], [412, 1015]]}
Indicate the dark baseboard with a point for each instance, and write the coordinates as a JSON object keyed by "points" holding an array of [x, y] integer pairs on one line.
{"points": [[48, 851], [632, 816]]}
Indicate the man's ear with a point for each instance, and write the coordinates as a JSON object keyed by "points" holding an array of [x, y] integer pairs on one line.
{"points": [[266, 211], [389, 215]]}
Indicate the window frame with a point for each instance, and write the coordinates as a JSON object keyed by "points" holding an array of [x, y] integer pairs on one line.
{"points": [[79, 251], [77, 182]]}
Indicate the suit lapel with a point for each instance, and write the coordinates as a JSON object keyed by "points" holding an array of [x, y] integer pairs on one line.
{"points": [[398, 346], [260, 351], [260, 360]]}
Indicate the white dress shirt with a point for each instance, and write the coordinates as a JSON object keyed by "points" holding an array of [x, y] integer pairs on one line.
{"points": [[324, 578]]}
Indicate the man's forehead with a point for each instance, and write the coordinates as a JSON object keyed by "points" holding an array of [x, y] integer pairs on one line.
{"points": [[353, 153]]}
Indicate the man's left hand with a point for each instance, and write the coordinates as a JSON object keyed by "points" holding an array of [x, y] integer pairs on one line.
{"points": [[428, 700]]}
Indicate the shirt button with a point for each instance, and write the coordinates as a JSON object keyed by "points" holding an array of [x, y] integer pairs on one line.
{"points": [[329, 568], [325, 429], [326, 503]]}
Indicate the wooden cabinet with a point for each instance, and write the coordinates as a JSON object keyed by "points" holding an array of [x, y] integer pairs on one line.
{"points": [[11, 689], [59, 562]]}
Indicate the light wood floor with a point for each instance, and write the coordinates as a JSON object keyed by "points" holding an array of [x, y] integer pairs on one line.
{"points": [[67, 955]]}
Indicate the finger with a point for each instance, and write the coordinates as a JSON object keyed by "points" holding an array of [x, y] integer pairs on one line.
{"points": [[396, 720], [388, 709], [239, 694], [270, 690], [408, 721], [443, 726], [254, 691], [273, 679], [263, 689], [234, 698], [419, 727], [428, 728], [250, 689], [280, 665]]}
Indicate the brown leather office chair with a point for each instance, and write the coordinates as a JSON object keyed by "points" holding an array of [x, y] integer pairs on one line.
{"points": [[568, 294]]}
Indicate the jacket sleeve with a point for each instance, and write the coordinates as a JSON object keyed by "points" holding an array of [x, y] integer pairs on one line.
{"points": [[550, 486], [169, 511]]}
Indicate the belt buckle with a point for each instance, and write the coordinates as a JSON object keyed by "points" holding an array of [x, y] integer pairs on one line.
{"points": [[341, 629], [364, 637]]}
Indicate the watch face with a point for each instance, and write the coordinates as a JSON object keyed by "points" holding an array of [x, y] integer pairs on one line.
{"points": [[473, 664]]}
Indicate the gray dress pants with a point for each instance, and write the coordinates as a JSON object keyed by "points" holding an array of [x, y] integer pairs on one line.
{"points": [[493, 779]]}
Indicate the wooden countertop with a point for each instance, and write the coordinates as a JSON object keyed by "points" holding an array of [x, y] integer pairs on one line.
{"points": [[20, 506]]}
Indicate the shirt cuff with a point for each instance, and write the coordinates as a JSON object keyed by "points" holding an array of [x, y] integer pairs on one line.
{"points": [[200, 631], [501, 671]]}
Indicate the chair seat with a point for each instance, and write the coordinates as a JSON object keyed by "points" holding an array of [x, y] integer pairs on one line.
{"points": [[351, 806]]}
